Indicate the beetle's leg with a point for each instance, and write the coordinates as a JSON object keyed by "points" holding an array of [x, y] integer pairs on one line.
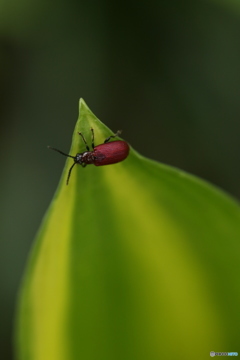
{"points": [[84, 165], [93, 146], [84, 140], [113, 136], [69, 172]]}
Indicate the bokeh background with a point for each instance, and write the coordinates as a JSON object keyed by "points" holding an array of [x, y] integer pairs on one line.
{"points": [[165, 72]]}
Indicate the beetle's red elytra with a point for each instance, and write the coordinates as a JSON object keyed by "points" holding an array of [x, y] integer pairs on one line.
{"points": [[104, 154]]}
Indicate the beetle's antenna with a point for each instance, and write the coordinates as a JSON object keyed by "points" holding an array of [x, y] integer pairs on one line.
{"points": [[69, 173], [61, 152]]}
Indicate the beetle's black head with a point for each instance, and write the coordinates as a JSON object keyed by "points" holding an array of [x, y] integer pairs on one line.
{"points": [[79, 159]]}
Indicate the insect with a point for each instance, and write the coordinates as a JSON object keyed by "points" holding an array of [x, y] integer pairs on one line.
{"points": [[103, 154]]}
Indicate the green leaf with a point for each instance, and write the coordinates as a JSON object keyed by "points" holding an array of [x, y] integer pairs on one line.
{"points": [[135, 260]]}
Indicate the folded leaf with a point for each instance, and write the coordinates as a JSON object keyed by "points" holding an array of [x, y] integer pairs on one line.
{"points": [[133, 261]]}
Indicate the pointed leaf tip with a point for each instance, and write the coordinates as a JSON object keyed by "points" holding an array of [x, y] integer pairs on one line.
{"points": [[83, 105], [81, 102], [84, 109]]}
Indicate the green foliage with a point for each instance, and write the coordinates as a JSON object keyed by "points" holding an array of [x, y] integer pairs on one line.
{"points": [[132, 261]]}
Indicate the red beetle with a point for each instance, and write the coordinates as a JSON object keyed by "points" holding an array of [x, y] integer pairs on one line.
{"points": [[103, 154]]}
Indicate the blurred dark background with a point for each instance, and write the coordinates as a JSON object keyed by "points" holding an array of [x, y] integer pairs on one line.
{"points": [[167, 73]]}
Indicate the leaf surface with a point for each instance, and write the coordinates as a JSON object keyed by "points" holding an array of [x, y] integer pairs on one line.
{"points": [[135, 260]]}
